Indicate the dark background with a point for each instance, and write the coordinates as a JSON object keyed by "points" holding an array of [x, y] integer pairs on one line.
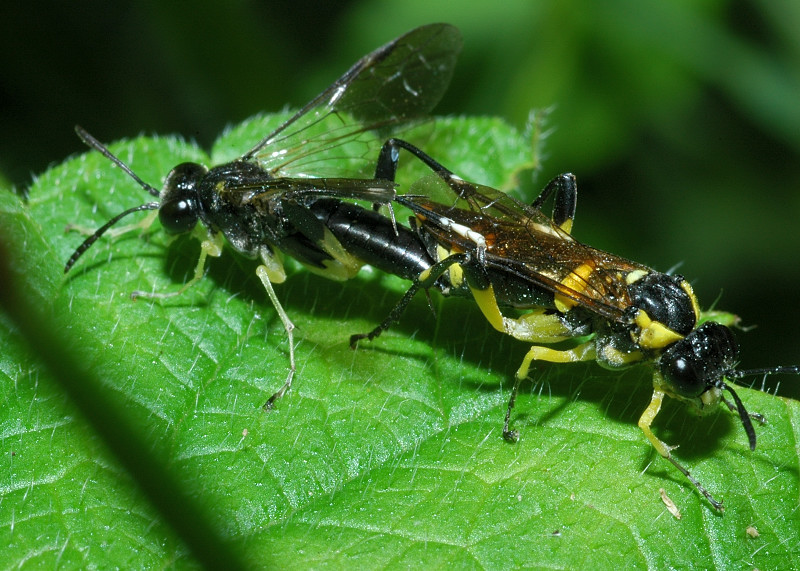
{"points": [[681, 120]]}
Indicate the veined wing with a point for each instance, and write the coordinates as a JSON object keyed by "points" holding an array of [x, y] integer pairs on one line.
{"points": [[263, 194], [338, 133], [521, 240]]}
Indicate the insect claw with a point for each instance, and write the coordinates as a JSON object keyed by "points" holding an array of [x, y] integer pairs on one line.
{"points": [[511, 436]]}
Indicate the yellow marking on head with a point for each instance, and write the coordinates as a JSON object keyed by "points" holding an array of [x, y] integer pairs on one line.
{"points": [[576, 280], [710, 399], [566, 226]]}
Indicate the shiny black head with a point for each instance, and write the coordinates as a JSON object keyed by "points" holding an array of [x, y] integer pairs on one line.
{"points": [[178, 210], [695, 368], [700, 360]]}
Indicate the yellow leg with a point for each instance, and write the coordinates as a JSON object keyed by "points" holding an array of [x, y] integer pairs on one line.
{"points": [[584, 352], [211, 246], [487, 302], [664, 449], [646, 420], [536, 326], [263, 274]]}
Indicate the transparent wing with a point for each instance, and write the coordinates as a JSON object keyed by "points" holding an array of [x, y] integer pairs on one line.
{"points": [[339, 132], [458, 194], [521, 240], [262, 194]]}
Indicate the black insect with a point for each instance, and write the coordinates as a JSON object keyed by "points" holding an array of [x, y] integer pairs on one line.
{"points": [[259, 202], [509, 254]]}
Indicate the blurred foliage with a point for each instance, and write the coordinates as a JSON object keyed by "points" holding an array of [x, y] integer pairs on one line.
{"points": [[680, 119]]}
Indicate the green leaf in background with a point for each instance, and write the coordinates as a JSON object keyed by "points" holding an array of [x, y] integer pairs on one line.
{"points": [[391, 455]]}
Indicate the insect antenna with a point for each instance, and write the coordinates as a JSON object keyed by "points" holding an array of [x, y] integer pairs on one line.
{"points": [[100, 231], [743, 414], [98, 146], [787, 370]]}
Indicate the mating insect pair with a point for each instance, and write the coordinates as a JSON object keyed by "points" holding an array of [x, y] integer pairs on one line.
{"points": [[467, 239]]}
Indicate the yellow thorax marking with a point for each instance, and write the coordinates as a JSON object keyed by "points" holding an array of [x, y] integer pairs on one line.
{"points": [[690, 292], [653, 334]]}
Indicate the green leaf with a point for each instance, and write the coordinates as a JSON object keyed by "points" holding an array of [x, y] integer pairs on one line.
{"points": [[391, 455]]}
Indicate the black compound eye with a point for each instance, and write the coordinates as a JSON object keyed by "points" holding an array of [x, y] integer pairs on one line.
{"points": [[699, 360], [178, 216], [680, 371], [178, 212]]}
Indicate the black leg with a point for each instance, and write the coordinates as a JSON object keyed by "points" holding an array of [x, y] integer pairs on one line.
{"points": [[389, 157], [566, 199], [511, 435], [426, 280]]}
